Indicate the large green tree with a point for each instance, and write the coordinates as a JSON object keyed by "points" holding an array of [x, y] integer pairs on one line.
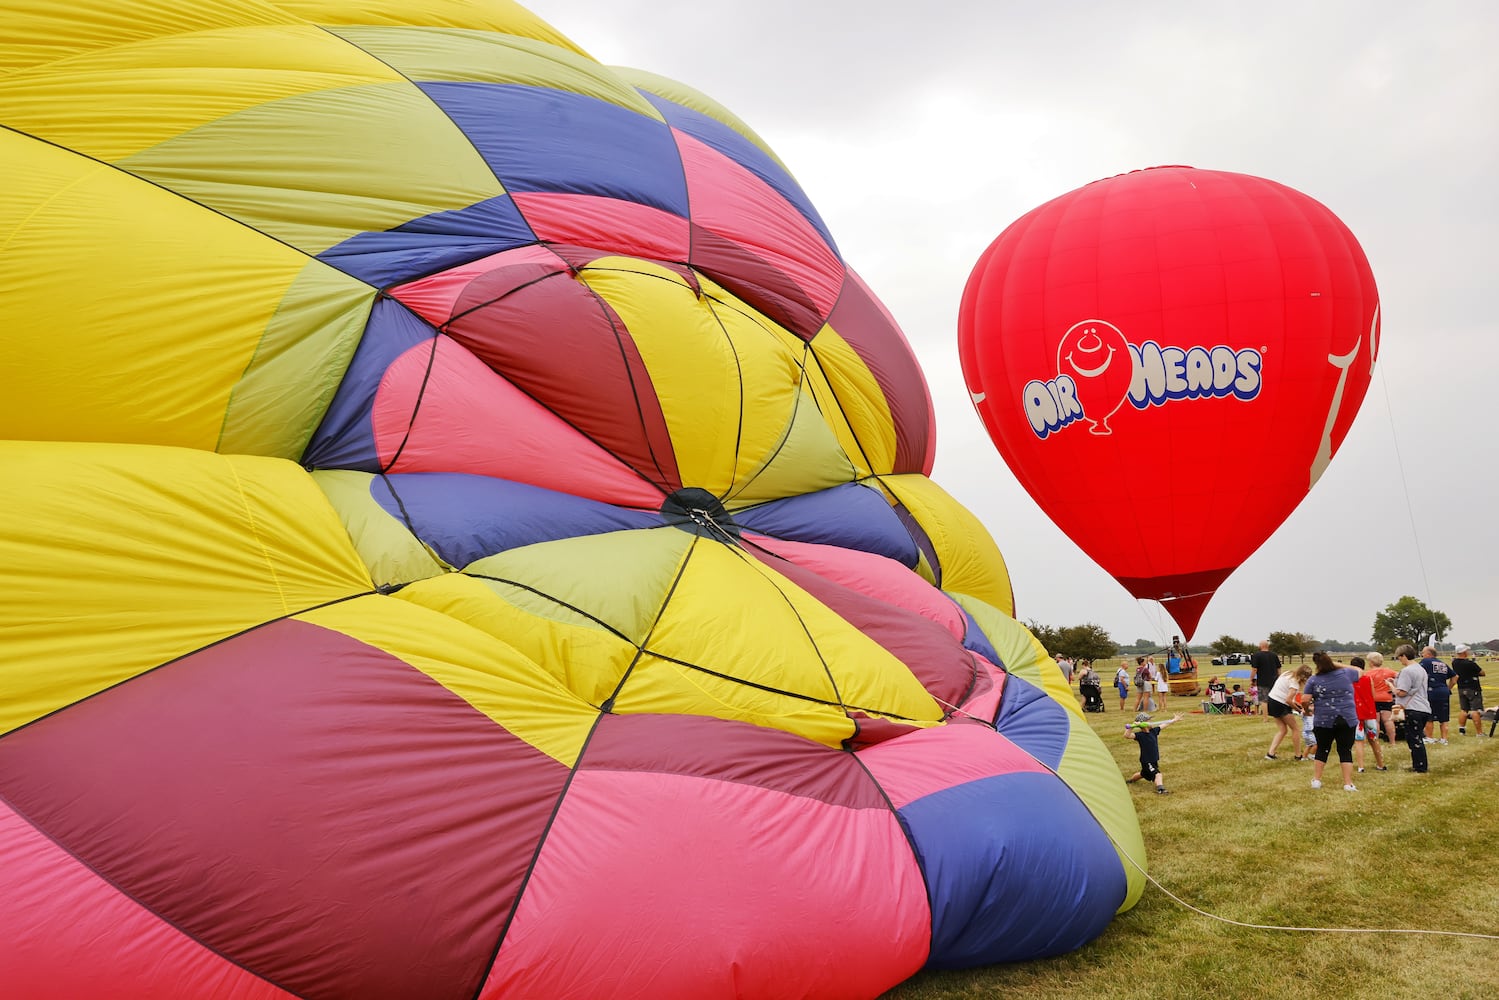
{"points": [[1408, 620], [1229, 644], [1288, 644], [1081, 642], [1045, 635]]}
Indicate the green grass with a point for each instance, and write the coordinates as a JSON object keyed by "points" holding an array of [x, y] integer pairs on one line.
{"points": [[1247, 839]]}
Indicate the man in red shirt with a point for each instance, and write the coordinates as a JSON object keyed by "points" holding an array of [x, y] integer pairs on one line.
{"points": [[1380, 677], [1368, 717]]}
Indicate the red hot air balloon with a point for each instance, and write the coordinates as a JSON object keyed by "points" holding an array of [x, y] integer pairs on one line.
{"points": [[1167, 360]]}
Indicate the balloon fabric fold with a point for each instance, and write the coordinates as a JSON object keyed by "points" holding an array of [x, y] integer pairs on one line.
{"points": [[469, 535]]}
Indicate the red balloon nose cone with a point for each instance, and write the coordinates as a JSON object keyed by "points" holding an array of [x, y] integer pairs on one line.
{"points": [[1184, 596]]}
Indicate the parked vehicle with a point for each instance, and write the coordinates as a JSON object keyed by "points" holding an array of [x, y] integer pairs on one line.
{"points": [[1231, 660]]}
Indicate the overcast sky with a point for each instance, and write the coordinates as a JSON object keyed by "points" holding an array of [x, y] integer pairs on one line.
{"points": [[920, 131]]}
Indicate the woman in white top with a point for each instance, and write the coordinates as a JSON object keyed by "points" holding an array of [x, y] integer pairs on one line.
{"points": [[1282, 696]]}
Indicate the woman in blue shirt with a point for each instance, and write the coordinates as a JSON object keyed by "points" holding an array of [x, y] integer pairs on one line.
{"points": [[1334, 717]]}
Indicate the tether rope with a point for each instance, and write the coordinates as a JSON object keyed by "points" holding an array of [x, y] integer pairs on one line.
{"points": [[1410, 511], [1279, 927]]}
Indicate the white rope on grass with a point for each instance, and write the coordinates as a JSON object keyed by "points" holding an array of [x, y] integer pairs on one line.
{"points": [[1278, 927]]}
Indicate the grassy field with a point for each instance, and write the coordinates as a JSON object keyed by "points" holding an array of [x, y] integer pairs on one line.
{"points": [[1247, 839]]}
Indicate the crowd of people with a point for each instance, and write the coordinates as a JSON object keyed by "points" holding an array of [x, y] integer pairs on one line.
{"points": [[1361, 704], [1318, 707]]}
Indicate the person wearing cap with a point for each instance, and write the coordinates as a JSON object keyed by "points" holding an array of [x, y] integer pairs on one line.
{"points": [[1469, 691], [1147, 734]]}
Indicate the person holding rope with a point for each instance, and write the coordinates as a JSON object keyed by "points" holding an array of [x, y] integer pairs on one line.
{"points": [[1368, 718], [1380, 677], [1410, 694], [1334, 716], [1283, 696]]}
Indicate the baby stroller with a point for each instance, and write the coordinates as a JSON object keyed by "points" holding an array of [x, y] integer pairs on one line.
{"points": [[1092, 694]]}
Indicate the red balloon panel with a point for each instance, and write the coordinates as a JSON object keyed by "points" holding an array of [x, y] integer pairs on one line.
{"points": [[1167, 360]]}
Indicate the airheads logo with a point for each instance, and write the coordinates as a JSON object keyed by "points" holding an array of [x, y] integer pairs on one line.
{"points": [[1098, 370]]}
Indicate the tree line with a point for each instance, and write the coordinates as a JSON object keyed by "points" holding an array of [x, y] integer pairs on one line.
{"points": [[1407, 620]]}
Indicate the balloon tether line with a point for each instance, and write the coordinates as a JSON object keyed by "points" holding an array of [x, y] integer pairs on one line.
{"points": [[1278, 927], [1405, 487]]}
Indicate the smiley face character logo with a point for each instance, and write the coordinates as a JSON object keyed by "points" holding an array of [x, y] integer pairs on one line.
{"points": [[1096, 356]]}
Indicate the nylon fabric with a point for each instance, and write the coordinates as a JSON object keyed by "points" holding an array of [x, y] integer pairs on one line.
{"points": [[469, 534], [784, 640], [325, 195], [158, 386], [582, 574], [225, 542], [391, 553], [977, 915], [970, 561], [642, 828], [498, 680], [581, 655], [100, 942], [436, 397], [502, 16], [681, 95], [847, 388], [463, 55], [1091, 770]]}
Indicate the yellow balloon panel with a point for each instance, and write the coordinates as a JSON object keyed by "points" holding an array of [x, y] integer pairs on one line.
{"points": [[666, 687], [117, 102], [308, 181], [489, 674], [971, 561], [729, 382], [847, 387], [50, 32], [117, 346], [578, 653], [150, 553], [782, 640], [453, 54], [502, 16]]}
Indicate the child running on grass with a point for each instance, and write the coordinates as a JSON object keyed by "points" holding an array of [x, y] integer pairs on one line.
{"points": [[1147, 734]]}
